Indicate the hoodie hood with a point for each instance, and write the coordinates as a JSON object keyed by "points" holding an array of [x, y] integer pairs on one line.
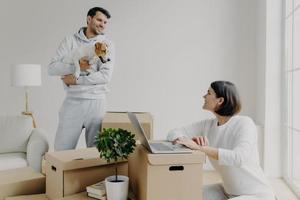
{"points": [[81, 36]]}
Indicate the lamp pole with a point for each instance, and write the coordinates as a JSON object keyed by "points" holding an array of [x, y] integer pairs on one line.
{"points": [[27, 112], [26, 99]]}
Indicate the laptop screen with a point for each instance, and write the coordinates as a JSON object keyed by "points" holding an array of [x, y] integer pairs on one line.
{"points": [[139, 129]]}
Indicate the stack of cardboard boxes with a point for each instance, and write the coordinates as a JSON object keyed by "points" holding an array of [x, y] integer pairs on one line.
{"points": [[152, 176]]}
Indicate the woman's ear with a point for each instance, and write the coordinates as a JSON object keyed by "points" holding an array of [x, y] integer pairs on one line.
{"points": [[220, 101]]}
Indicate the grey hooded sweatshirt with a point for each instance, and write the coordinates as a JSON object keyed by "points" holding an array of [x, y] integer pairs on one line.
{"points": [[91, 86]]}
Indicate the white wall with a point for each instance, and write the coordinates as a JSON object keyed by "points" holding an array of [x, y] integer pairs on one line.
{"points": [[167, 54], [261, 60]]}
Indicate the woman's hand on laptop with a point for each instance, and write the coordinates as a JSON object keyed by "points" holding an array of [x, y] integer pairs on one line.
{"points": [[201, 140], [188, 143], [175, 141]]}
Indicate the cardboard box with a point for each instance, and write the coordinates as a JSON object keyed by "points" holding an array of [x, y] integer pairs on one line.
{"points": [[166, 176], [21, 181], [121, 120], [29, 197], [78, 196], [69, 172]]}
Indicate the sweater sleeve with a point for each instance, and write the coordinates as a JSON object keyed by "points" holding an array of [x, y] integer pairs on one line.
{"points": [[104, 74], [57, 67], [189, 131], [244, 142]]}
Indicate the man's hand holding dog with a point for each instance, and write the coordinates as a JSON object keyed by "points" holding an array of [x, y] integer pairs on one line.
{"points": [[69, 79], [84, 64]]}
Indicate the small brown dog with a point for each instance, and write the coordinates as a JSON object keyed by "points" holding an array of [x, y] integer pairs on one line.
{"points": [[92, 52]]}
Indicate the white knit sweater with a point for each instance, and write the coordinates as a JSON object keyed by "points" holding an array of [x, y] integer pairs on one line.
{"points": [[238, 163]]}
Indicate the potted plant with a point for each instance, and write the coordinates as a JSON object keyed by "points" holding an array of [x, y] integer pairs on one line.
{"points": [[114, 145]]}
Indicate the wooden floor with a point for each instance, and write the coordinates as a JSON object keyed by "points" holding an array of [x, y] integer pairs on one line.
{"points": [[281, 190]]}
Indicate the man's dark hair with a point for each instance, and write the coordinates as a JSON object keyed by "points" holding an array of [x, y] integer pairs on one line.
{"points": [[92, 12], [228, 91]]}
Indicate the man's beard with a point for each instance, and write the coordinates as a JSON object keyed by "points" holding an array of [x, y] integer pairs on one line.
{"points": [[97, 31]]}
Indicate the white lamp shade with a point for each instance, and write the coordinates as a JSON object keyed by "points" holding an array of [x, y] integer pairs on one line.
{"points": [[24, 75]]}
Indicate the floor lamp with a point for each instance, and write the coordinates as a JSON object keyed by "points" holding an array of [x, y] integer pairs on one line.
{"points": [[26, 76]]}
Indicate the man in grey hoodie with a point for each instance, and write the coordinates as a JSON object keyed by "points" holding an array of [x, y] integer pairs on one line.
{"points": [[85, 102]]}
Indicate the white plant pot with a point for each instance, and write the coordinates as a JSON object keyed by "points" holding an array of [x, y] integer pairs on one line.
{"points": [[117, 190]]}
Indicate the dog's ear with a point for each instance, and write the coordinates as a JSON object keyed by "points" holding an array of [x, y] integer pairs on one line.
{"points": [[98, 46]]}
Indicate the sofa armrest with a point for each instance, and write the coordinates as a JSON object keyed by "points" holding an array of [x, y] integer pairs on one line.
{"points": [[37, 146]]}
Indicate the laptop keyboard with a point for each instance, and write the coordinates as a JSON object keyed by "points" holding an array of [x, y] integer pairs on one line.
{"points": [[161, 147]]}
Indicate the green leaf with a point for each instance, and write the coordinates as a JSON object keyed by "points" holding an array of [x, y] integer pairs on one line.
{"points": [[114, 144]]}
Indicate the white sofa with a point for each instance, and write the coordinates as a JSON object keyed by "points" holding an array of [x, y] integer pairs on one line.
{"points": [[20, 144]]}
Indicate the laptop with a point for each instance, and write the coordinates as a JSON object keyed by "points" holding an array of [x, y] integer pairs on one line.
{"points": [[155, 146]]}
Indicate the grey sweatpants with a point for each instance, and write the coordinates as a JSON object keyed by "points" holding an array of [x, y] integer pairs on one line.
{"points": [[216, 192], [74, 115]]}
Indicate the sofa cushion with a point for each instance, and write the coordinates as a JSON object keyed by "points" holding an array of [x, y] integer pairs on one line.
{"points": [[14, 133], [12, 160]]}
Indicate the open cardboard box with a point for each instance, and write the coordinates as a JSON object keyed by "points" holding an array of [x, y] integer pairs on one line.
{"points": [[69, 172]]}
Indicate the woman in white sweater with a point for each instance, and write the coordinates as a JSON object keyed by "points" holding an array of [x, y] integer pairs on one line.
{"points": [[230, 142]]}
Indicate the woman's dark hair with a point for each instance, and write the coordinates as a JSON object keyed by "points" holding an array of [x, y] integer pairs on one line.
{"points": [[228, 91], [92, 12]]}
